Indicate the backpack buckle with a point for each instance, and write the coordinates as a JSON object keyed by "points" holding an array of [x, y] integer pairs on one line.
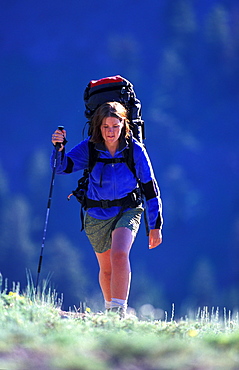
{"points": [[104, 204]]}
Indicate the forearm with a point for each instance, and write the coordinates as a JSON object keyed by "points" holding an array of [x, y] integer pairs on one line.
{"points": [[76, 159], [60, 160], [154, 213]]}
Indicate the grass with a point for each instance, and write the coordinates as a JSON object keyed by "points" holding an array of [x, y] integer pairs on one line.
{"points": [[36, 334]]}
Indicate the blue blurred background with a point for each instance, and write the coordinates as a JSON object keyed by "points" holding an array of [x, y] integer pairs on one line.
{"points": [[182, 57]]}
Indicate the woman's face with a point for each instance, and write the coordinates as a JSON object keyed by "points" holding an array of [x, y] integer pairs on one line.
{"points": [[111, 128]]}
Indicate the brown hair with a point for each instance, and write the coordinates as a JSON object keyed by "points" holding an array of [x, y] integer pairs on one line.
{"points": [[109, 109]]}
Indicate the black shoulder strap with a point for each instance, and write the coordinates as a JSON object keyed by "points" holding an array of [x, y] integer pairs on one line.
{"points": [[129, 156], [93, 155]]}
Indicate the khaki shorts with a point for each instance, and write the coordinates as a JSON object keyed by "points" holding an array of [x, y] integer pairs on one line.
{"points": [[99, 231]]}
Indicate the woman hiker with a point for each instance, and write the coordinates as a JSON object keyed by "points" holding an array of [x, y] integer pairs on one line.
{"points": [[114, 207]]}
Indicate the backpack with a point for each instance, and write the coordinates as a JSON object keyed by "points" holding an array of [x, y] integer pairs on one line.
{"points": [[115, 88], [98, 92]]}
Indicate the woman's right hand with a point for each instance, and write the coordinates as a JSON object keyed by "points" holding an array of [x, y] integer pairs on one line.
{"points": [[58, 137]]}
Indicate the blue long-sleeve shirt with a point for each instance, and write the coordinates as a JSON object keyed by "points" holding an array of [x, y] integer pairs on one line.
{"points": [[114, 180]]}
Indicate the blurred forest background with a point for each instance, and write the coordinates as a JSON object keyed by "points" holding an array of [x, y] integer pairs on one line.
{"points": [[182, 57]]}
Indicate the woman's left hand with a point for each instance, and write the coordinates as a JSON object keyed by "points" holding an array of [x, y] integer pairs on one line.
{"points": [[155, 238]]}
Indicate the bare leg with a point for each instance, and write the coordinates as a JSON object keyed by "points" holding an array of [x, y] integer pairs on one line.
{"points": [[105, 274], [115, 273], [122, 240]]}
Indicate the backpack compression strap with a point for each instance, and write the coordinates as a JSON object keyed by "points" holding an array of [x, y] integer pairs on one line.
{"points": [[111, 160]]}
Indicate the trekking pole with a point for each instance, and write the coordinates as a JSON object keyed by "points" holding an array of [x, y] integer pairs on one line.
{"points": [[57, 147]]}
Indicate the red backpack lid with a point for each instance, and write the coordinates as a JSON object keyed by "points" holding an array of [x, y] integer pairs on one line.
{"points": [[106, 80]]}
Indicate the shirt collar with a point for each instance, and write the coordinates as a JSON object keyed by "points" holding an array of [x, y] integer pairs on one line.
{"points": [[122, 145]]}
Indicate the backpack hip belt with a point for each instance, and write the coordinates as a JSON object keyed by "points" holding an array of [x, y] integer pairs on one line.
{"points": [[131, 200]]}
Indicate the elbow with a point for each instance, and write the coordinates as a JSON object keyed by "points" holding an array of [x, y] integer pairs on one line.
{"points": [[150, 190]]}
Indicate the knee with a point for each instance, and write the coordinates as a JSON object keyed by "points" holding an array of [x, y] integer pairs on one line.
{"points": [[106, 273], [118, 256], [105, 270]]}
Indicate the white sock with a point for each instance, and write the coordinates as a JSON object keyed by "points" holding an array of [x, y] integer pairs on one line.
{"points": [[107, 305], [116, 302]]}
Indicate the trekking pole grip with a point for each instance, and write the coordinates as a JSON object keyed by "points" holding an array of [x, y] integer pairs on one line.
{"points": [[58, 145]]}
